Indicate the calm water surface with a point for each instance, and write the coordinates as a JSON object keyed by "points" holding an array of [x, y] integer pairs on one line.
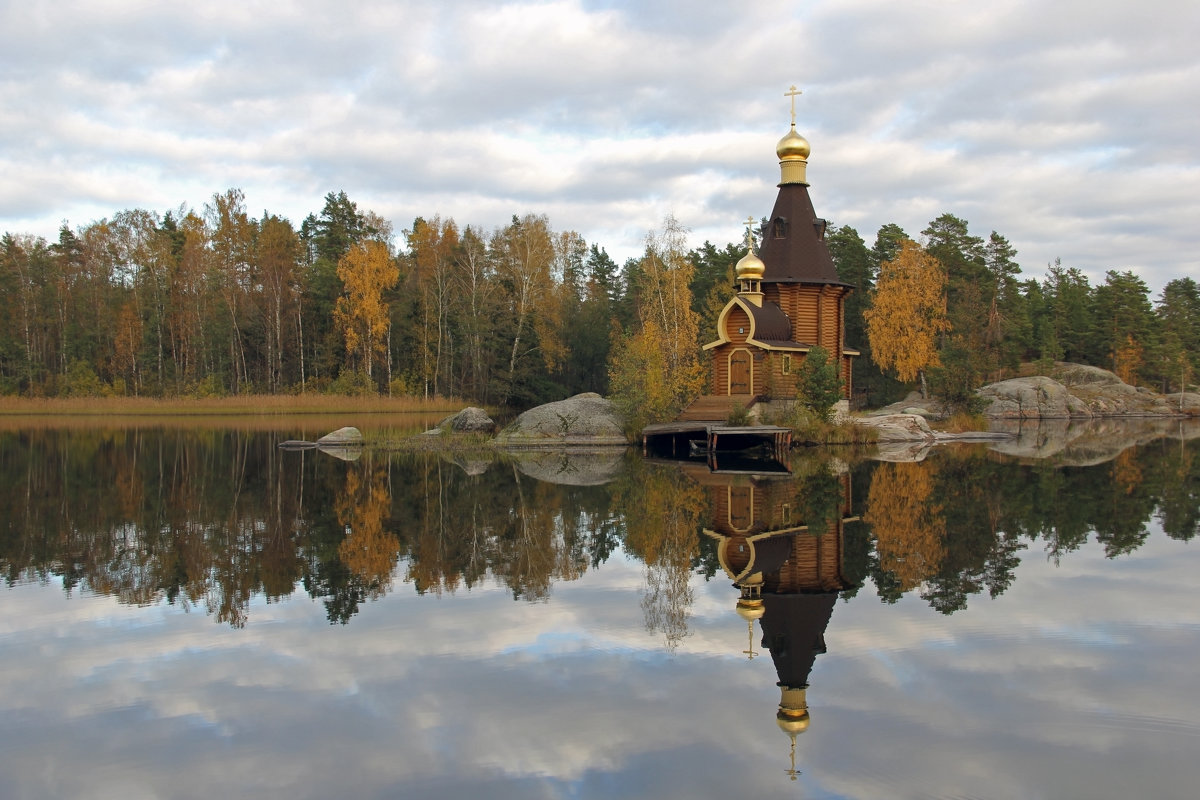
{"points": [[195, 614]]}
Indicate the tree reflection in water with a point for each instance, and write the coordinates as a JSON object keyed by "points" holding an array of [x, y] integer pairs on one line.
{"points": [[216, 518]]}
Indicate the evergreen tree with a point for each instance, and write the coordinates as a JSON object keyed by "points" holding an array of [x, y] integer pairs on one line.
{"points": [[1178, 317], [1123, 332], [819, 383], [888, 241], [1068, 302]]}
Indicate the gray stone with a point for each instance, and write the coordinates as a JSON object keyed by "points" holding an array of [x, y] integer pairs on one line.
{"points": [[1036, 397], [585, 419], [898, 427], [469, 420], [1069, 374], [1075, 391], [1187, 403]]}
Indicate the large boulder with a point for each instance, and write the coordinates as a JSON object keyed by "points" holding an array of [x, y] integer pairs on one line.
{"points": [[1074, 391], [1035, 397], [1069, 374], [1106, 395], [585, 419]]}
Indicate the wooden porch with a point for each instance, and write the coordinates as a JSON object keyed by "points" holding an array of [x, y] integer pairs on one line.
{"points": [[715, 407]]}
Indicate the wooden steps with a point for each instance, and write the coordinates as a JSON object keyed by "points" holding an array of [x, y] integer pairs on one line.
{"points": [[714, 408]]}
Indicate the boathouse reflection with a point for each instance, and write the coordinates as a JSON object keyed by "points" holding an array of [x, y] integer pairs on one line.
{"points": [[787, 557]]}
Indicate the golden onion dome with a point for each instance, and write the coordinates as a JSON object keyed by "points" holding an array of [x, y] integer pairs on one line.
{"points": [[792, 723], [750, 266], [750, 610], [793, 147]]}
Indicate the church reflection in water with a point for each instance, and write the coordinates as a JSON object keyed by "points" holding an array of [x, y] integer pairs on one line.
{"points": [[788, 565]]}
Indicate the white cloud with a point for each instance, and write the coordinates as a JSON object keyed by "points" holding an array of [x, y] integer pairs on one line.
{"points": [[1065, 126]]}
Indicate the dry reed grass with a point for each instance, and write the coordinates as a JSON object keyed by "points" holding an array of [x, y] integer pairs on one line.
{"points": [[301, 416], [243, 405]]}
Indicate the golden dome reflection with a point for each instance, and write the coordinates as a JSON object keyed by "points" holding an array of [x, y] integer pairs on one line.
{"points": [[750, 610], [792, 724]]}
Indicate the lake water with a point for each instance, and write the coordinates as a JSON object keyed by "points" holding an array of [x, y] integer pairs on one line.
{"points": [[196, 614]]}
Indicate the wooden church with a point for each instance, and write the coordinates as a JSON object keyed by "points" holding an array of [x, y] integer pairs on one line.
{"points": [[789, 299]]}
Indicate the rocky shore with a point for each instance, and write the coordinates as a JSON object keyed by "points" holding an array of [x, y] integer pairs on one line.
{"points": [[1033, 414]]}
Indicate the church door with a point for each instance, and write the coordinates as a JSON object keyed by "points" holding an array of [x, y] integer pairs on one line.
{"points": [[739, 372], [741, 507]]}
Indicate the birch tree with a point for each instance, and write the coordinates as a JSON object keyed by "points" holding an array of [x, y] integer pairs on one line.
{"points": [[367, 270], [524, 252], [908, 313]]}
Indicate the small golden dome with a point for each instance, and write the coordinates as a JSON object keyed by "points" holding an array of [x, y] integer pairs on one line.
{"points": [[793, 147], [792, 723], [750, 266], [750, 610]]}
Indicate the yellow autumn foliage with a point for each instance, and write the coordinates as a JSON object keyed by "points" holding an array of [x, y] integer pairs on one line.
{"points": [[909, 528], [369, 550], [1128, 360], [366, 271], [908, 312]]}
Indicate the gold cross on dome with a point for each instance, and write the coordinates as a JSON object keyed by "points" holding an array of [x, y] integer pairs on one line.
{"points": [[749, 232], [792, 92], [750, 654]]}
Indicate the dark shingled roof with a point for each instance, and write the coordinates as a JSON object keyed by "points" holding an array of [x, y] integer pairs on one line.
{"points": [[772, 326], [792, 247], [770, 322]]}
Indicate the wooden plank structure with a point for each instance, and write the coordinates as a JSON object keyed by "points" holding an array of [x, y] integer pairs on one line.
{"points": [[682, 439]]}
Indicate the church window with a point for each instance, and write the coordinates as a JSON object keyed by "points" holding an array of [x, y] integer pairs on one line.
{"points": [[779, 228], [787, 365]]}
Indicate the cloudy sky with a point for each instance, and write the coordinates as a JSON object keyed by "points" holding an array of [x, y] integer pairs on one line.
{"points": [[478, 695], [1068, 126]]}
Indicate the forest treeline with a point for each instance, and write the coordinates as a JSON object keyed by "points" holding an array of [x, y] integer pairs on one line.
{"points": [[216, 301]]}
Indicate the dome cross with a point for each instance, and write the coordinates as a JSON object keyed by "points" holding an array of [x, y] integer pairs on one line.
{"points": [[792, 92]]}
